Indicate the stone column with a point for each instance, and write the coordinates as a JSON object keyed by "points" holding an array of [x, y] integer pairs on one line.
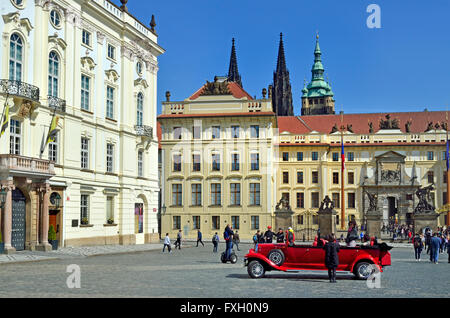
{"points": [[44, 218], [7, 220]]}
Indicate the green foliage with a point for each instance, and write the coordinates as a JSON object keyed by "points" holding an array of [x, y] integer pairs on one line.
{"points": [[51, 233]]}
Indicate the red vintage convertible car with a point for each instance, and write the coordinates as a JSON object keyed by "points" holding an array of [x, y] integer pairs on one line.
{"points": [[358, 260]]}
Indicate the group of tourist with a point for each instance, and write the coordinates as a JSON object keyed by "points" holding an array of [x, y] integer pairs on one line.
{"points": [[399, 231], [435, 243]]}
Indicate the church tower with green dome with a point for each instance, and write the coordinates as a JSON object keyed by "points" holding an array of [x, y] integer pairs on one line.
{"points": [[317, 96]]}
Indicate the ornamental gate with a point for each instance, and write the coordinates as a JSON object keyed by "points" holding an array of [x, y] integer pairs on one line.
{"points": [[18, 220]]}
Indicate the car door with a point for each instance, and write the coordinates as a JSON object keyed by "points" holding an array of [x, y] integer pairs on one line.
{"points": [[314, 258], [295, 256]]}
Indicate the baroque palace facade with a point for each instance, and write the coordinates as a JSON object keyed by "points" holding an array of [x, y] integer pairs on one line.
{"points": [[228, 158], [87, 71]]}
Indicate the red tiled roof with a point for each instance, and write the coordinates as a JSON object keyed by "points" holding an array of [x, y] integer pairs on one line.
{"points": [[159, 134], [236, 90], [359, 122]]}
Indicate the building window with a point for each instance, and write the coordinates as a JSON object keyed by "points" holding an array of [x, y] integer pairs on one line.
{"points": [[216, 194], [300, 219], [300, 177], [336, 200], [15, 58], [196, 194], [430, 176], [351, 156], [216, 132], [18, 3], [176, 222], [285, 156], [84, 153], [177, 133], [177, 195], [55, 18], [216, 162], [285, 177], [351, 178], [300, 200], [255, 222], [196, 222], [445, 177], [109, 208], [109, 158], [196, 163], [176, 163], [444, 198], [335, 177], [299, 156], [53, 74], [255, 192], [111, 52], [315, 200], [216, 222], [139, 68], [110, 102], [235, 222], [85, 92], [335, 156], [430, 155], [254, 161], [315, 177], [196, 132], [15, 137], [86, 38], [234, 162], [351, 200], [235, 191], [140, 163], [140, 110], [315, 156], [84, 209], [53, 149], [254, 131], [234, 131]]}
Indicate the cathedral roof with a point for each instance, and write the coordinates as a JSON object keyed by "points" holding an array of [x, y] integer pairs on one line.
{"points": [[408, 122]]}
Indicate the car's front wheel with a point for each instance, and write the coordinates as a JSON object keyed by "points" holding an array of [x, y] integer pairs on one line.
{"points": [[363, 270], [255, 269]]}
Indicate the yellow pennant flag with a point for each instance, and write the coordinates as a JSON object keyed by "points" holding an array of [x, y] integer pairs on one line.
{"points": [[5, 122], [53, 130]]}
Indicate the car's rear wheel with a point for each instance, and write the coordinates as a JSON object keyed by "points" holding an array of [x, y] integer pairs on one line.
{"points": [[276, 256], [256, 269], [363, 270]]}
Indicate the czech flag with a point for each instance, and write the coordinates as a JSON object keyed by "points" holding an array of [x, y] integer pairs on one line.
{"points": [[447, 156], [343, 154]]}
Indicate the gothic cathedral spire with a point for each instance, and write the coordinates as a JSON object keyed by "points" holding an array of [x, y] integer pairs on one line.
{"points": [[281, 88], [233, 72]]}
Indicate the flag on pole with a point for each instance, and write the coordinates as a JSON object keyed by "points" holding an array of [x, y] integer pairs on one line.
{"points": [[447, 156], [5, 120], [342, 153], [52, 131]]}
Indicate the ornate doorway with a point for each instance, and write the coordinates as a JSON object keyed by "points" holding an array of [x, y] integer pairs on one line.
{"points": [[18, 220]]}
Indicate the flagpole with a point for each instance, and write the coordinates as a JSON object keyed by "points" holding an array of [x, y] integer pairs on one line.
{"points": [[342, 173], [4, 108], [48, 134], [448, 170]]}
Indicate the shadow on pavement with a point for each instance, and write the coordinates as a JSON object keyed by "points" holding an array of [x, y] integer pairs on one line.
{"points": [[298, 277]]}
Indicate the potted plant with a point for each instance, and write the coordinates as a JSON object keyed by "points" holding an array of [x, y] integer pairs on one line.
{"points": [[52, 238], [84, 221], [2, 245], [110, 221]]}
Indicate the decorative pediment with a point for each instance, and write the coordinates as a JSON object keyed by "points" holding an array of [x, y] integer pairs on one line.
{"points": [[216, 88], [112, 75], [88, 63], [57, 41], [22, 24], [390, 156], [141, 82]]}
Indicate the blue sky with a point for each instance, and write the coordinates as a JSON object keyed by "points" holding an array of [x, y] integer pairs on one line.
{"points": [[404, 66]]}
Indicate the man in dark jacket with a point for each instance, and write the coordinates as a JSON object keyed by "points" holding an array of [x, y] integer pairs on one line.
{"points": [[228, 235], [331, 257], [269, 235], [199, 238], [280, 236]]}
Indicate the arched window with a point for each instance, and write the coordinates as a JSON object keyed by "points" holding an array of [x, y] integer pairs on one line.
{"points": [[140, 109], [15, 58], [53, 74]]}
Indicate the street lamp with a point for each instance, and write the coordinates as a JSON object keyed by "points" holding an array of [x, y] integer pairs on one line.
{"points": [[163, 209]]}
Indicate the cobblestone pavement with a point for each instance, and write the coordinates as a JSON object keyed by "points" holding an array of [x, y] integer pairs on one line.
{"points": [[197, 272]]}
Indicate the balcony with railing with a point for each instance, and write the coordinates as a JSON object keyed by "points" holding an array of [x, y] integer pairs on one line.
{"points": [[19, 89], [16, 165], [57, 103]]}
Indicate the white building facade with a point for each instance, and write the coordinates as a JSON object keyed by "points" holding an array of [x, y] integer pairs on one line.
{"points": [[94, 66]]}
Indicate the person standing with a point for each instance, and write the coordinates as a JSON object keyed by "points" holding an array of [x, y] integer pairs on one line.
{"points": [[448, 247], [352, 234], [256, 241], [227, 235], [178, 241], [215, 241], [269, 235], [290, 237], [167, 243], [236, 240], [280, 236], [418, 246], [331, 257], [199, 237], [435, 244]]}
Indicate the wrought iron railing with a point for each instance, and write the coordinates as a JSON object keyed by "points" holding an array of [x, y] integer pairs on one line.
{"points": [[142, 130], [57, 103], [21, 89]]}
